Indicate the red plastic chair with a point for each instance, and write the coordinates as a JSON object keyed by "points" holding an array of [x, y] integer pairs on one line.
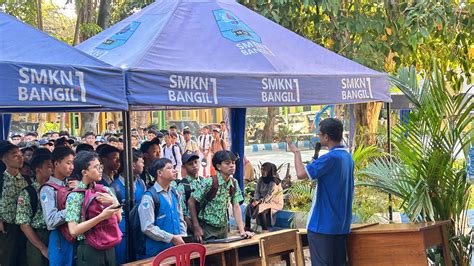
{"points": [[182, 254]]}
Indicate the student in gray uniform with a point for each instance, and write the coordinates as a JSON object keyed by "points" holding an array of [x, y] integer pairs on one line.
{"points": [[163, 227], [60, 251]]}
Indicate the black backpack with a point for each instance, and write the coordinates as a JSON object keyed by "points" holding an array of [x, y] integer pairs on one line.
{"points": [[138, 238], [187, 188], [3, 168], [174, 153], [33, 198], [212, 193], [204, 144]]}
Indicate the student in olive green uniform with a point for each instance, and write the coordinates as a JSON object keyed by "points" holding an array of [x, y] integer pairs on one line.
{"points": [[151, 151], [87, 165], [33, 224], [212, 222], [188, 184], [12, 240]]}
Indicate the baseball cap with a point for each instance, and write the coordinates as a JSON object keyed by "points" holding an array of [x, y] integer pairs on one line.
{"points": [[63, 140], [147, 144], [46, 142], [189, 156], [216, 129]]}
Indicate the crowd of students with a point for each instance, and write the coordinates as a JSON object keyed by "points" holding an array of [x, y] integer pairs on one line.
{"points": [[174, 142], [61, 203]]}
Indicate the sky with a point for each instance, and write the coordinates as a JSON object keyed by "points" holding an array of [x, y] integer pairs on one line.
{"points": [[66, 8]]}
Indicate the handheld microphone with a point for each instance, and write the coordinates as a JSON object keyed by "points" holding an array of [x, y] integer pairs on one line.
{"points": [[317, 148]]}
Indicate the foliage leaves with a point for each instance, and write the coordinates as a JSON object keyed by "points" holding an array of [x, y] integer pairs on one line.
{"points": [[426, 175], [381, 35]]}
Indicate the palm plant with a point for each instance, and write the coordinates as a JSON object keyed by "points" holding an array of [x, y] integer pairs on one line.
{"points": [[367, 201], [426, 175]]}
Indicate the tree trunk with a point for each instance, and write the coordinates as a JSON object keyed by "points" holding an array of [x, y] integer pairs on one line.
{"points": [[39, 14], [268, 130], [62, 121], [139, 119], [85, 14], [339, 111], [104, 14], [78, 26], [366, 120], [89, 122], [42, 117]]}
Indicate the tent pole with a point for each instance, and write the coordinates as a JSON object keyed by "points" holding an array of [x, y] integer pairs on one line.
{"points": [[352, 127], [5, 121], [128, 175], [237, 121], [389, 150]]}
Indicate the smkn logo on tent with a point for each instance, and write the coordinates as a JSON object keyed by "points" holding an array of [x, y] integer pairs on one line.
{"points": [[280, 90], [116, 40], [192, 89], [43, 85], [234, 29], [356, 89]]}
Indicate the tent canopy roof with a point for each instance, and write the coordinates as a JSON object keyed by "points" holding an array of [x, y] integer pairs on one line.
{"points": [[232, 55], [41, 73]]}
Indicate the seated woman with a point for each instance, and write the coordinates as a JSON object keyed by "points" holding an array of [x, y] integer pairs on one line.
{"points": [[267, 200]]}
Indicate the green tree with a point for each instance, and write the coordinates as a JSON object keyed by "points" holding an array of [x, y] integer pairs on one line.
{"points": [[383, 35]]}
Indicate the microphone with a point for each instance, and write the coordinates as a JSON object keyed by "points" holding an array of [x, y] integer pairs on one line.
{"points": [[317, 148]]}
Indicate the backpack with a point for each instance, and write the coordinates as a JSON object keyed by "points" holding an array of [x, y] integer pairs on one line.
{"points": [[222, 143], [118, 192], [204, 137], [61, 198], [3, 168], [212, 193], [33, 198], [106, 234], [138, 238], [187, 187], [174, 153]]}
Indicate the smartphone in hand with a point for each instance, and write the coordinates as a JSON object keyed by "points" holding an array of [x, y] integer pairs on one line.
{"points": [[119, 206]]}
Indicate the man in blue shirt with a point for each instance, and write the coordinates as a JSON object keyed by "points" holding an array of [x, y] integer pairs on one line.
{"points": [[329, 219]]}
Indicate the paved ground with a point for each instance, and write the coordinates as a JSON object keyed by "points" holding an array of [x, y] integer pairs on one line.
{"points": [[279, 157]]}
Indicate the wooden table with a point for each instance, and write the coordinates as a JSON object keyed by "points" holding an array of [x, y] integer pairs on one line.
{"points": [[304, 243], [397, 244], [223, 253]]}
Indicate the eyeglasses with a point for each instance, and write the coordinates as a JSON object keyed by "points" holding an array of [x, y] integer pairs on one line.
{"points": [[98, 167]]}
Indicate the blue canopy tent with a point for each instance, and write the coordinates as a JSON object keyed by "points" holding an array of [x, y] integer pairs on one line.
{"points": [[39, 73], [185, 53], [217, 53]]}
